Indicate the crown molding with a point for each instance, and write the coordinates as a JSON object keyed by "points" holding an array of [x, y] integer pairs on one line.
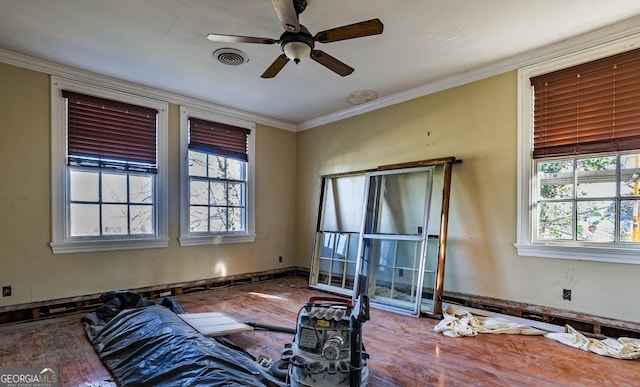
{"points": [[69, 72], [621, 30], [624, 29]]}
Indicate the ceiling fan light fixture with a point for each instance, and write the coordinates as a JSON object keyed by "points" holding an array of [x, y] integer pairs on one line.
{"points": [[296, 50]]}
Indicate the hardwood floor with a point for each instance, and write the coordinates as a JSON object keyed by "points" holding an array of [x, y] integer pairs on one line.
{"points": [[405, 351]]}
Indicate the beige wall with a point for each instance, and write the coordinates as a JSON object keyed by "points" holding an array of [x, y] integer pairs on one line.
{"points": [[478, 124], [26, 261], [475, 122]]}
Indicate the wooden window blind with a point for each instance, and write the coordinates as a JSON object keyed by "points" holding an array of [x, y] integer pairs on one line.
{"points": [[101, 130], [217, 138], [589, 108]]}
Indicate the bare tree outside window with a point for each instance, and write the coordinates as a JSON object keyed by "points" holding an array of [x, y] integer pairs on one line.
{"points": [[217, 187], [110, 203]]}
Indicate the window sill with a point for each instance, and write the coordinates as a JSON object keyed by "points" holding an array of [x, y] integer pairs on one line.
{"points": [[92, 246], [597, 254], [216, 239]]}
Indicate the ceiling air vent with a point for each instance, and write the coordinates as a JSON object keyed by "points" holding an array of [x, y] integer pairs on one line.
{"points": [[230, 56]]}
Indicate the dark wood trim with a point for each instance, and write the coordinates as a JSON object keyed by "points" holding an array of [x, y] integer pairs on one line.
{"points": [[349, 173], [421, 163], [592, 325], [442, 238]]}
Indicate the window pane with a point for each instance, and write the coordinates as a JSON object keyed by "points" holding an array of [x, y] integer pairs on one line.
{"points": [[235, 170], [114, 188], [556, 179], [341, 246], [85, 219], [141, 189], [198, 219], [199, 192], [352, 254], [402, 202], [408, 254], [629, 216], [323, 271], [337, 273], [555, 220], [218, 219], [342, 205], [84, 186], [328, 239], [222, 197], [596, 177], [553, 168], [386, 252], [217, 167], [197, 164], [235, 219], [115, 219], [218, 194], [596, 221], [235, 194], [630, 174], [141, 219]]}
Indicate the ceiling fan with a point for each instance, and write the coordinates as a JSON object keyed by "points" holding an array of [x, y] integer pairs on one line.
{"points": [[297, 42]]}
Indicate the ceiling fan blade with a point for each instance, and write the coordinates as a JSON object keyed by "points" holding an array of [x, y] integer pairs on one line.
{"points": [[275, 67], [356, 30], [240, 39], [331, 63], [287, 14]]}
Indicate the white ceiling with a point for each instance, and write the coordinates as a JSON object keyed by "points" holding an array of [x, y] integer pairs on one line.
{"points": [[162, 44]]}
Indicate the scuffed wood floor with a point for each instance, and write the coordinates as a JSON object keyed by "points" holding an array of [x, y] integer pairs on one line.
{"points": [[404, 350]]}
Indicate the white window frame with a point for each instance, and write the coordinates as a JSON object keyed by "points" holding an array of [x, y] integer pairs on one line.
{"points": [[61, 241], [526, 180], [188, 238]]}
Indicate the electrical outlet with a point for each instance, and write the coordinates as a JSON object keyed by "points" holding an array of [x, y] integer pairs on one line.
{"points": [[566, 294], [280, 259], [6, 291]]}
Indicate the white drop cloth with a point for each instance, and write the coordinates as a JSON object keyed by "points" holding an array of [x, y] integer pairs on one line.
{"points": [[458, 322], [622, 348]]}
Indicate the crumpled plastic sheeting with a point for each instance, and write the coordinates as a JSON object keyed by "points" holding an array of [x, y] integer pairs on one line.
{"points": [[622, 348], [143, 344], [460, 322]]}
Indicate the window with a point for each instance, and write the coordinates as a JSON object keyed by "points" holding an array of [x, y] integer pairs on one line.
{"points": [[109, 167], [217, 179], [385, 230], [579, 156]]}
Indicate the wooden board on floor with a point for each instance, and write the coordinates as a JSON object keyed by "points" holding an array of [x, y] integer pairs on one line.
{"points": [[214, 324]]}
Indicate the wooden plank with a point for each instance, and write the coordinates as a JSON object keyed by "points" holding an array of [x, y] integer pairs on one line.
{"points": [[421, 163], [213, 324]]}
